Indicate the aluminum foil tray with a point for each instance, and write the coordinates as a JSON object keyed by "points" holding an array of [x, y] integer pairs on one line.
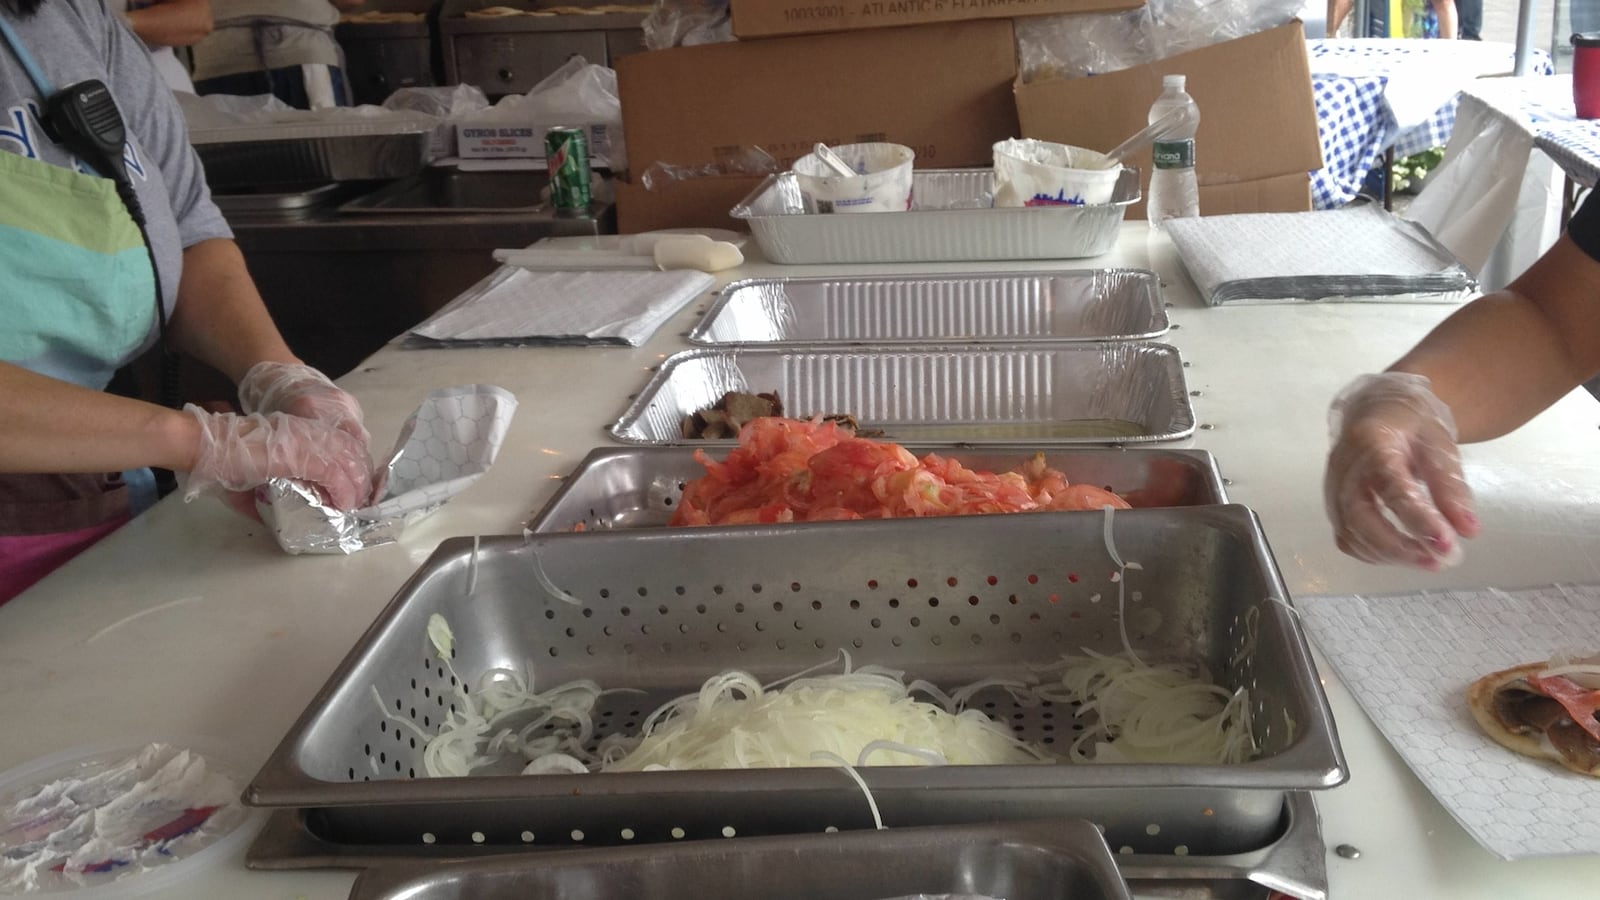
{"points": [[251, 157], [1062, 860], [1040, 392], [1091, 304], [638, 487], [951, 218], [949, 600]]}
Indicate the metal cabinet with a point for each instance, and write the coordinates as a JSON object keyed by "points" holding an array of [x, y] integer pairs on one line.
{"points": [[512, 62], [509, 54], [381, 58]]}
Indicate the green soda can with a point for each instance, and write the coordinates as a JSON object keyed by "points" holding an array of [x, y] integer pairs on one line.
{"points": [[567, 154]]}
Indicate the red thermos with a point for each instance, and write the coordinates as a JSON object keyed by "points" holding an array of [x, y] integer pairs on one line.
{"points": [[1586, 74]]}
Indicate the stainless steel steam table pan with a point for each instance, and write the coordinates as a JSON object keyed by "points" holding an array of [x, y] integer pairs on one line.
{"points": [[1017, 861], [1089, 304], [1039, 392], [639, 487], [949, 600], [952, 217], [1293, 862]]}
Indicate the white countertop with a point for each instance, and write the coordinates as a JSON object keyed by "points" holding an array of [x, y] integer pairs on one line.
{"points": [[190, 621]]}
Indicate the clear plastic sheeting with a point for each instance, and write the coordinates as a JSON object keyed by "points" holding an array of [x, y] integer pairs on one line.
{"points": [[218, 118], [1078, 45], [444, 105], [745, 161], [685, 23]]}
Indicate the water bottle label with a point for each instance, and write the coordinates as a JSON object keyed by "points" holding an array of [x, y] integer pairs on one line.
{"points": [[1175, 154]]}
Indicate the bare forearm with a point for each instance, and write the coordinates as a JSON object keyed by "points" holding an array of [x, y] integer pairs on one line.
{"points": [[177, 23], [221, 319], [53, 426], [1503, 358]]}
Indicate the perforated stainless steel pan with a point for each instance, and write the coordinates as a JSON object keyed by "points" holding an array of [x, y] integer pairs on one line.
{"points": [[949, 600]]}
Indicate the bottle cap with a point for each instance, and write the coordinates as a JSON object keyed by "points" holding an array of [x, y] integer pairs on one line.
{"points": [[1173, 81]]}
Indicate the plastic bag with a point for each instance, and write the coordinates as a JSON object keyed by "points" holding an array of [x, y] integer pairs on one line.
{"points": [[1078, 45], [746, 161], [444, 105], [577, 94], [265, 116], [440, 102], [686, 23]]}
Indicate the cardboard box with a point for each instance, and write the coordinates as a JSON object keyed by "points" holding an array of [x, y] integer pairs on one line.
{"points": [[1258, 117], [1282, 193], [697, 203], [943, 90], [767, 18]]}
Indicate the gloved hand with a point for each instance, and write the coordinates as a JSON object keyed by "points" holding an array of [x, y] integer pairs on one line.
{"points": [[299, 390], [1394, 488], [238, 453]]}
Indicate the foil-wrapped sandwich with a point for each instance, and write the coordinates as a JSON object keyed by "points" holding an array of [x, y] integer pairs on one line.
{"points": [[445, 445]]}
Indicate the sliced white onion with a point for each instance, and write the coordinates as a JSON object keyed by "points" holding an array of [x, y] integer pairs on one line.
{"points": [[872, 803], [1122, 584], [1154, 713]]}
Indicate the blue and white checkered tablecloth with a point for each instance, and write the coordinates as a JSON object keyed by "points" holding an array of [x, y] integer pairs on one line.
{"points": [[1575, 147], [1376, 94], [1543, 108]]}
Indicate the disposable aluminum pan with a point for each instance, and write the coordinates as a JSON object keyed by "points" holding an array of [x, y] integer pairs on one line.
{"points": [[952, 217], [1041, 392], [1090, 304], [638, 487], [951, 600], [251, 156], [1060, 860]]}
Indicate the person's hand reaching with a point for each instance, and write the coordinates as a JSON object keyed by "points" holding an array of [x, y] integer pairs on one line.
{"points": [[300, 390], [238, 453], [1394, 489]]}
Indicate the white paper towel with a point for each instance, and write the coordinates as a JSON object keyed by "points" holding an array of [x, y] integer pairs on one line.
{"points": [[515, 305], [1356, 253], [1408, 659]]}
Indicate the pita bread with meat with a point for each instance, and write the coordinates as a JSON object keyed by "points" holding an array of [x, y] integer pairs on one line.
{"points": [[1536, 712]]}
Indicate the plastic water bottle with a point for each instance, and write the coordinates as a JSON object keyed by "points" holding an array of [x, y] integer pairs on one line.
{"points": [[1174, 193]]}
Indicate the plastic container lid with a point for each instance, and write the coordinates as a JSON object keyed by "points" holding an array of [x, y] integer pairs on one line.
{"points": [[186, 817], [1174, 81], [1586, 39]]}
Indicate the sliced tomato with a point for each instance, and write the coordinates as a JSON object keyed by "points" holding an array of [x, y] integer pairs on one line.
{"points": [[809, 470], [1581, 703]]}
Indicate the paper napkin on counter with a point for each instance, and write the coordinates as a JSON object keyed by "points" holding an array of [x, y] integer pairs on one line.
{"points": [[1356, 253], [1408, 659], [518, 306]]}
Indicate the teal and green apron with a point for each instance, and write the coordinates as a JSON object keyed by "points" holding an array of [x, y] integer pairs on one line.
{"points": [[78, 289]]}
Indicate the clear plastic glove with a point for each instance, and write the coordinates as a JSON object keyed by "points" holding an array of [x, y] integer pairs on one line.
{"points": [[238, 453], [300, 390], [1394, 488]]}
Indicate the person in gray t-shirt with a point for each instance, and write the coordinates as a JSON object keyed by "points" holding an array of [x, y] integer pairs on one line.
{"points": [[85, 287]]}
